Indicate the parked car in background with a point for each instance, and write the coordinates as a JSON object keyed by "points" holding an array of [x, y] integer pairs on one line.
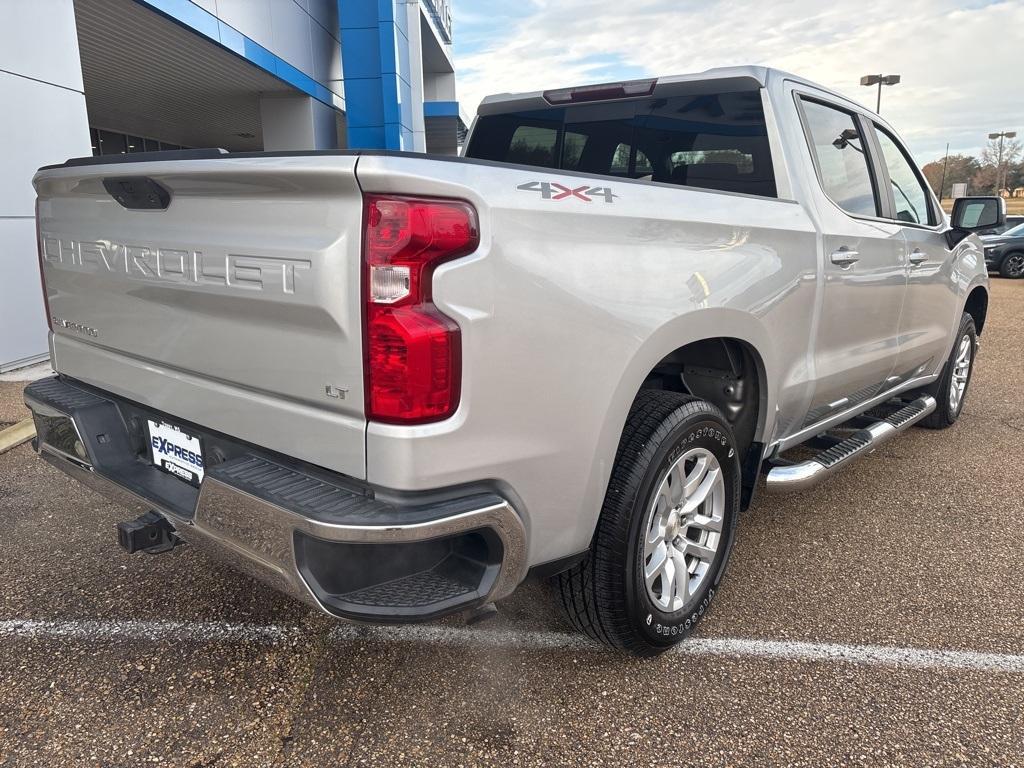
{"points": [[1011, 223], [1004, 253]]}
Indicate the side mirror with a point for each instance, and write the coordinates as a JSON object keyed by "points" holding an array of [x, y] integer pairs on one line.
{"points": [[975, 214]]}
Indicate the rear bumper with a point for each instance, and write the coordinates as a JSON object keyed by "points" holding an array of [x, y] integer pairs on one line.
{"points": [[319, 537]]}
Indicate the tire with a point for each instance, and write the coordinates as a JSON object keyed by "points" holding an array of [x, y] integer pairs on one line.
{"points": [[1012, 265], [606, 596], [949, 407]]}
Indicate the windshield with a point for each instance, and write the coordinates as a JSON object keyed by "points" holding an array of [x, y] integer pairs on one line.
{"points": [[1017, 231]]}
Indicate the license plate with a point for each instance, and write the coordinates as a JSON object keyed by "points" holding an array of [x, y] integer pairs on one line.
{"points": [[176, 451]]}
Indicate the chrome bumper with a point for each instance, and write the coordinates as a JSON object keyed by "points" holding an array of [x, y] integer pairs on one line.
{"points": [[268, 540]]}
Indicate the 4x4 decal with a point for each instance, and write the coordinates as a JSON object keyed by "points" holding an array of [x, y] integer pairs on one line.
{"points": [[552, 191]]}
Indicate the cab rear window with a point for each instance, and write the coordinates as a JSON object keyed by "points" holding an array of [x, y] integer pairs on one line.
{"points": [[711, 141]]}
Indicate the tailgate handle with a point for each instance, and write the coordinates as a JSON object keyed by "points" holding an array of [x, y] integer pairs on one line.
{"points": [[138, 193]]}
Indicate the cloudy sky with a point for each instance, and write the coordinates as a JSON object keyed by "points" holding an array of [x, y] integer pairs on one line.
{"points": [[962, 61]]}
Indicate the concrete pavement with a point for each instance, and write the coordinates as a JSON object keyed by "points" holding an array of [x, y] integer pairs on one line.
{"points": [[820, 649]]}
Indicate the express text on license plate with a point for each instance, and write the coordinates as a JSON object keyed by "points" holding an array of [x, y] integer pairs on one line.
{"points": [[176, 451]]}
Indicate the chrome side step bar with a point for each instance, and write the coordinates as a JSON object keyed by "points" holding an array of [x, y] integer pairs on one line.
{"points": [[807, 474]]}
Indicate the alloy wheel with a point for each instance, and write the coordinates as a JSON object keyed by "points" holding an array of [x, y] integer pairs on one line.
{"points": [[961, 373], [1014, 265], [683, 530]]}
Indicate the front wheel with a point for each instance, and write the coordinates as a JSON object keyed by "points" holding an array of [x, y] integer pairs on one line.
{"points": [[665, 531], [950, 390]]}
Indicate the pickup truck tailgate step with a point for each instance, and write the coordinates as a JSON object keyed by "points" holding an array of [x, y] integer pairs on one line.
{"points": [[807, 474]]}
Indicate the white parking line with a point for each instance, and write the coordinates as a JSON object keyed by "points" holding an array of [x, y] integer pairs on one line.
{"points": [[879, 655], [100, 630], [511, 639]]}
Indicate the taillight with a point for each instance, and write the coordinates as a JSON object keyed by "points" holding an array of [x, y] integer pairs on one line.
{"points": [[42, 274], [413, 351]]}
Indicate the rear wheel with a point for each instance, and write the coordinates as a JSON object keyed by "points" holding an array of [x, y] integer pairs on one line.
{"points": [[1013, 265], [950, 390], [665, 531]]}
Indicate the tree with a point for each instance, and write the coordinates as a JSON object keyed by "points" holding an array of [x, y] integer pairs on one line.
{"points": [[1000, 161], [1014, 176], [985, 180], [960, 168]]}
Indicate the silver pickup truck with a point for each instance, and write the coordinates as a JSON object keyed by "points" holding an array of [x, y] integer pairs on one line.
{"points": [[395, 385]]}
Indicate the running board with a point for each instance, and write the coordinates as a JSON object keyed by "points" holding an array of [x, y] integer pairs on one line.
{"points": [[807, 474]]}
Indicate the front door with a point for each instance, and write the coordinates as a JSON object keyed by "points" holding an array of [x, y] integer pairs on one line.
{"points": [[932, 301]]}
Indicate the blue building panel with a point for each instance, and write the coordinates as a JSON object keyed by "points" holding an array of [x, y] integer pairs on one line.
{"points": [[383, 98], [376, 62], [188, 13], [440, 109], [366, 137], [199, 20], [360, 50], [365, 103], [385, 9]]}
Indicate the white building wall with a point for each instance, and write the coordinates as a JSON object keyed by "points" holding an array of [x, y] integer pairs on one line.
{"points": [[302, 32], [43, 121], [297, 122]]}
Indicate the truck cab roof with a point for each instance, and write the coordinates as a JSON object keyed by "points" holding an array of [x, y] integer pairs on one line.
{"points": [[742, 77]]}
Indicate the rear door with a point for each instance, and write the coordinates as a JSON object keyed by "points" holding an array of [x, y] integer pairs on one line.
{"points": [[233, 304], [864, 278], [929, 310]]}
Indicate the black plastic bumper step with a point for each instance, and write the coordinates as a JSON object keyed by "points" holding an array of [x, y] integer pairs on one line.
{"points": [[318, 498]]}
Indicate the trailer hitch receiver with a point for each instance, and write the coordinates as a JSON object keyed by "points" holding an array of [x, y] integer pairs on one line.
{"points": [[151, 533]]}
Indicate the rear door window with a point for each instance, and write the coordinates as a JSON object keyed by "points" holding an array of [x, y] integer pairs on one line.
{"points": [[840, 158], [532, 145], [716, 141], [524, 138], [710, 141], [605, 133]]}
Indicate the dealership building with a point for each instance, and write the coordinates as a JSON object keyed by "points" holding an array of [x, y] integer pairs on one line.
{"points": [[80, 77]]}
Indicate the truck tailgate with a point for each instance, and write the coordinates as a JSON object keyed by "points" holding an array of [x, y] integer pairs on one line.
{"points": [[236, 307]]}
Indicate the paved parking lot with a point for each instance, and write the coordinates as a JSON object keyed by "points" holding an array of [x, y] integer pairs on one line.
{"points": [[876, 620]]}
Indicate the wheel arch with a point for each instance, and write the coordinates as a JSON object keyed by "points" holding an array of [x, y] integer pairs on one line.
{"points": [[976, 306], [707, 325]]}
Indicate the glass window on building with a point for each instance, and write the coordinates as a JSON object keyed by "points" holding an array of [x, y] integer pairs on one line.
{"points": [[112, 143]]}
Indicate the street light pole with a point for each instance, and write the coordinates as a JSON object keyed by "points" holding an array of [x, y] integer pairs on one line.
{"points": [[879, 80], [945, 162], [999, 162]]}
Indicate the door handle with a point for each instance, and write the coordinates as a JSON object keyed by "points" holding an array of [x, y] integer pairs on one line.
{"points": [[918, 256], [845, 258]]}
